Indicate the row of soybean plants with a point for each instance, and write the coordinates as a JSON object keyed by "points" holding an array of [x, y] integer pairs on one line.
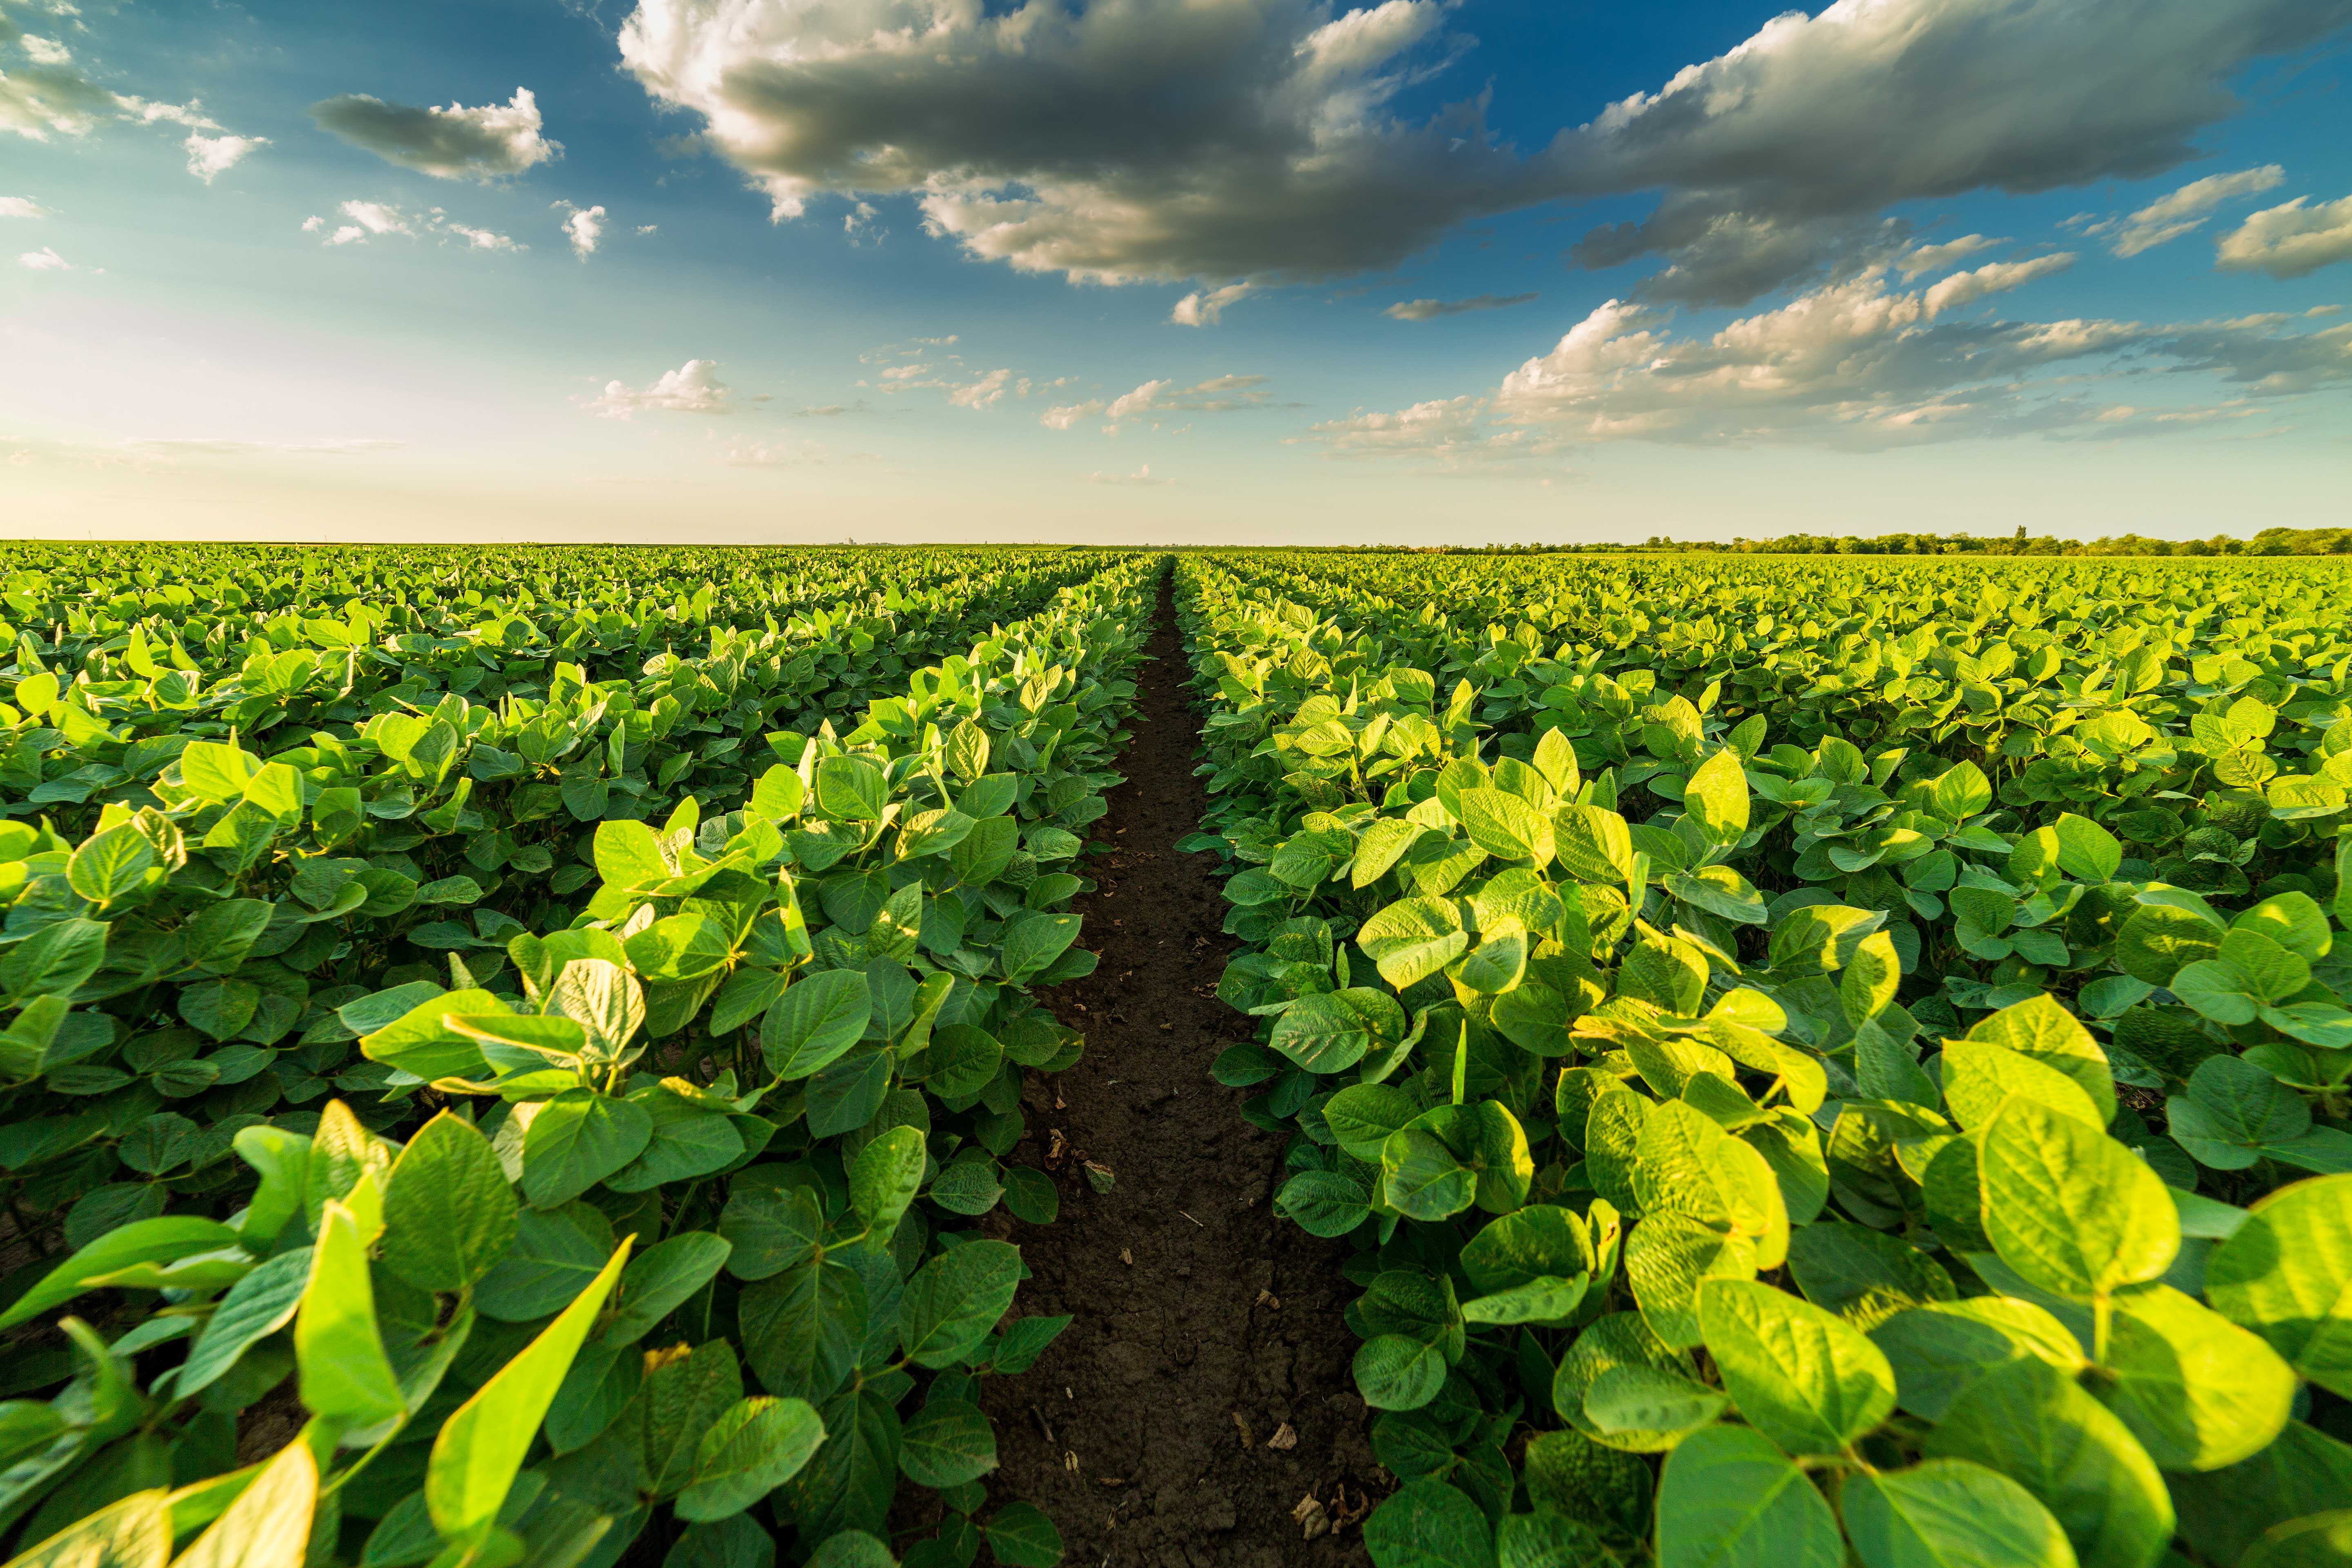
{"points": [[641, 1240], [1756, 1153]]}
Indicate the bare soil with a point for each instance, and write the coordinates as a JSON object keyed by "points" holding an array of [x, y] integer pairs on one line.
{"points": [[1200, 1410]]}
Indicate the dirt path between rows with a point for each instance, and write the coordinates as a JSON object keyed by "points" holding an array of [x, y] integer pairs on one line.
{"points": [[1204, 1392]]}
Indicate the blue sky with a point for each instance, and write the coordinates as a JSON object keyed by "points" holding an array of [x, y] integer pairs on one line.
{"points": [[1216, 270]]}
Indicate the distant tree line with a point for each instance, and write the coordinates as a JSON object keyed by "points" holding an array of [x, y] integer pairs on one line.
{"points": [[2269, 541]]}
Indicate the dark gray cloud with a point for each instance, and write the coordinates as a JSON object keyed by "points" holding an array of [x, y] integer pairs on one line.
{"points": [[1430, 310], [1128, 141]]}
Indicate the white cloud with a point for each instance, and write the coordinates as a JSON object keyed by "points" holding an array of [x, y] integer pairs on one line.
{"points": [[585, 226], [1261, 141], [452, 143], [2170, 218], [43, 52], [984, 392], [1993, 278], [1936, 257], [45, 260], [1430, 310], [1861, 366], [189, 116], [1206, 308], [1159, 399], [209, 156], [371, 220], [2289, 240], [42, 101], [21, 207], [693, 387], [1455, 432]]}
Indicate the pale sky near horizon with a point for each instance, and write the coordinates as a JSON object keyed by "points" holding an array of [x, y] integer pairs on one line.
{"points": [[1173, 270]]}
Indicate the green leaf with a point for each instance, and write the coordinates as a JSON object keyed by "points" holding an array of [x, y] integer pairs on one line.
{"points": [[1729, 1499], [684, 1399], [448, 1211], [2158, 940], [1980, 1078], [1949, 1513], [1715, 799], [629, 854], [268, 1525], [2286, 1275], [110, 864], [2040, 1028], [690, 1140], [1021, 1536], [1805, 1378], [1504, 825], [2034, 1424], [946, 1443], [2070, 1208], [346, 1376], [166, 1239], [255, 1307], [1321, 1033], [756, 1446], [2198, 1391], [817, 1018], [1428, 1524], [1324, 1203], [1398, 1371], [660, 1279], [1413, 939], [1642, 1399], [954, 1299], [2087, 851], [577, 1140], [481, 1447], [885, 1178]]}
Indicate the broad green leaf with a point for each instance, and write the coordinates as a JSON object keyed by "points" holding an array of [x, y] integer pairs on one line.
{"points": [[1413, 939], [753, 1448], [1715, 798], [1729, 1499], [885, 1178], [817, 1018], [2070, 1208], [268, 1525], [946, 1443], [2036, 1425], [481, 1447], [1399, 1372], [953, 1301], [1428, 1524], [660, 1279], [1021, 1536], [577, 1140], [2198, 1391], [255, 1307], [1805, 1378], [1949, 1513], [448, 1211], [2286, 1275]]}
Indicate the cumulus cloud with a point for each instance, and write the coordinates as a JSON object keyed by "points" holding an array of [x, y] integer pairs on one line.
{"points": [[985, 392], [1430, 310], [371, 220], [1159, 399], [583, 227], [1261, 141], [1993, 278], [2170, 218], [453, 143], [21, 207], [1206, 308], [1936, 257], [1111, 142], [693, 387], [2289, 240], [1815, 119], [45, 260], [211, 156], [1454, 431]]}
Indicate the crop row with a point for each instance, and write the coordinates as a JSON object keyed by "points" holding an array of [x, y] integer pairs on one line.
{"points": [[598, 1169], [1815, 1067]]}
